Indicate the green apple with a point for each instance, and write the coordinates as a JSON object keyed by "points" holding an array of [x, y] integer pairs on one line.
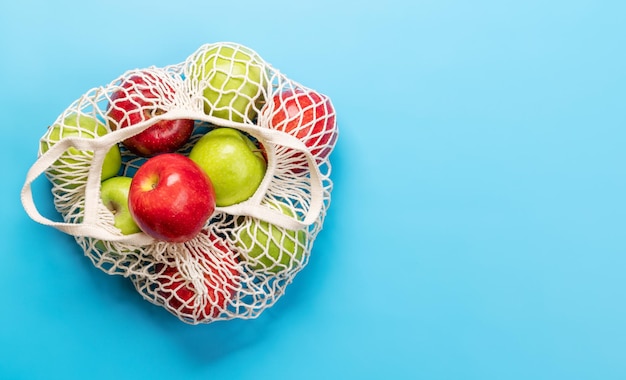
{"points": [[232, 78], [114, 194], [269, 247], [235, 165], [71, 169]]}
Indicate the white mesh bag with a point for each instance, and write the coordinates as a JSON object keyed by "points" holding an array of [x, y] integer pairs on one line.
{"points": [[247, 252]]}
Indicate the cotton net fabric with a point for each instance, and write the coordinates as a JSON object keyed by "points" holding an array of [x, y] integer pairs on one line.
{"points": [[247, 253]]}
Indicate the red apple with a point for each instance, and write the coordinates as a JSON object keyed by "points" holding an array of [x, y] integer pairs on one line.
{"points": [[142, 96], [218, 286], [171, 198], [307, 115]]}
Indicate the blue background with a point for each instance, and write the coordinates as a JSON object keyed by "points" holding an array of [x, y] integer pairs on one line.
{"points": [[477, 226]]}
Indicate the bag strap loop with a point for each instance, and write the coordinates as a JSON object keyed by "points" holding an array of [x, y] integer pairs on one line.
{"points": [[100, 145]]}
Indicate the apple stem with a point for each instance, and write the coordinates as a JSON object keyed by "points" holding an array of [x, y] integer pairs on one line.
{"points": [[112, 207], [150, 183]]}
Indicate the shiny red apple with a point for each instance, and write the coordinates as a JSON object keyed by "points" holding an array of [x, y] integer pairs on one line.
{"points": [[171, 198], [141, 97], [307, 115], [205, 299]]}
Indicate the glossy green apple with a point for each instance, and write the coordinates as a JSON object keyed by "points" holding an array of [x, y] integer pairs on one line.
{"points": [[232, 78], [114, 194], [71, 169], [269, 247], [235, 165]]}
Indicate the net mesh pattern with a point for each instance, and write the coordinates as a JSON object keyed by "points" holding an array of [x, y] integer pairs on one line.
{"points": [[246, 254]]}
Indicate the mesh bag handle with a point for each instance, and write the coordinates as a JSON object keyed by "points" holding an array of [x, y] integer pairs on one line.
{"points": [[100, 145], [88, 226], [252, 207]]}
